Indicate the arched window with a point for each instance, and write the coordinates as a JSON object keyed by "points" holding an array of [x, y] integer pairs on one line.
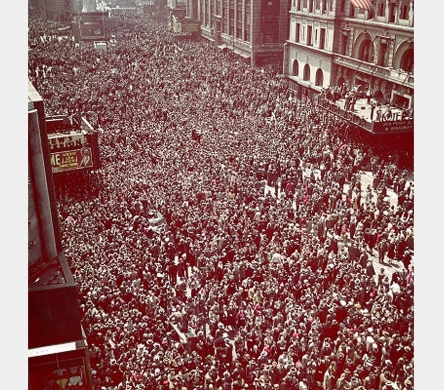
{"points": [[319, 77], [366, 51], [306, 72], [407, 61], [295, 71]]}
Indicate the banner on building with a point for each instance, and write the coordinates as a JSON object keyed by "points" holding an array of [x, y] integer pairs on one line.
{"points": [[71, 160], [402, 126], [190, 27], [62, 141]]}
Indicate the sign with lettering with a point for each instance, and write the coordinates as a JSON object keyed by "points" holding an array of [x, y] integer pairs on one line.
{"points": [[402, 126], [190, 27], [62, 141], [71, 159]]}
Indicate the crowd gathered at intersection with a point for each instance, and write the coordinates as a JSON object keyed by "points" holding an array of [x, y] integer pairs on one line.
{"points": [[280, 269]]}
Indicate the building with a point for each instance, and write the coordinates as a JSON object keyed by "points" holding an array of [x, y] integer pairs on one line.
{"points": [[57, 347], [333, 42], [181, 25], [357, 55], [53, 9], [253, 30], [89, 26]]}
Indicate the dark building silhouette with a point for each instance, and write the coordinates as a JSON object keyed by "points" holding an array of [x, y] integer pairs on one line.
{"points": [[57, 348]]}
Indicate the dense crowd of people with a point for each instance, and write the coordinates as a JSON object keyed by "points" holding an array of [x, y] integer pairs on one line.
{"points": [[280, 270]]}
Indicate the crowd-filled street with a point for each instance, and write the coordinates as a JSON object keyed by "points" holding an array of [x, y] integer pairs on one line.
{"points": [[289, 257]]}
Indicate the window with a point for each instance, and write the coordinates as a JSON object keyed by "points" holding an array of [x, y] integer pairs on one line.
{"points": [[344, 44], [404, 14], [381, 9], [309, 36], [407, 61], [392, 13], [239, 17], [295, 68], [316, 36], [306, 72], [382, 54], [366, 51], [319, 78], [298, 29], [352, 11], [322, 39]]}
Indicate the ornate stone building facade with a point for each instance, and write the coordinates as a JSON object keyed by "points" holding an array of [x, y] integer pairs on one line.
{"points": [[332, 42], [254, 30]]}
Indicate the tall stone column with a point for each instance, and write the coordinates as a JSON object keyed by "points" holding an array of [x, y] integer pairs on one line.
{"points": [[40, 187]]}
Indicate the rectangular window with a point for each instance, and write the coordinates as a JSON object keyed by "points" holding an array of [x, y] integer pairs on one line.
{"points": [[322, 39], [381, 9], [352, 11], [392, 13], [309, 34], [317, 4], [404, 14], [298, 29], [316, 36], [344, 44], [239, 18], [342, 5]]}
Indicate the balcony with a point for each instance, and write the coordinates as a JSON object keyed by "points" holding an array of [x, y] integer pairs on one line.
{"points": [[361, 115], [398, 76]]}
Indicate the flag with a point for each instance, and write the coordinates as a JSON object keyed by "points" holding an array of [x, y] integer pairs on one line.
{"points": [[363, 4]]}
